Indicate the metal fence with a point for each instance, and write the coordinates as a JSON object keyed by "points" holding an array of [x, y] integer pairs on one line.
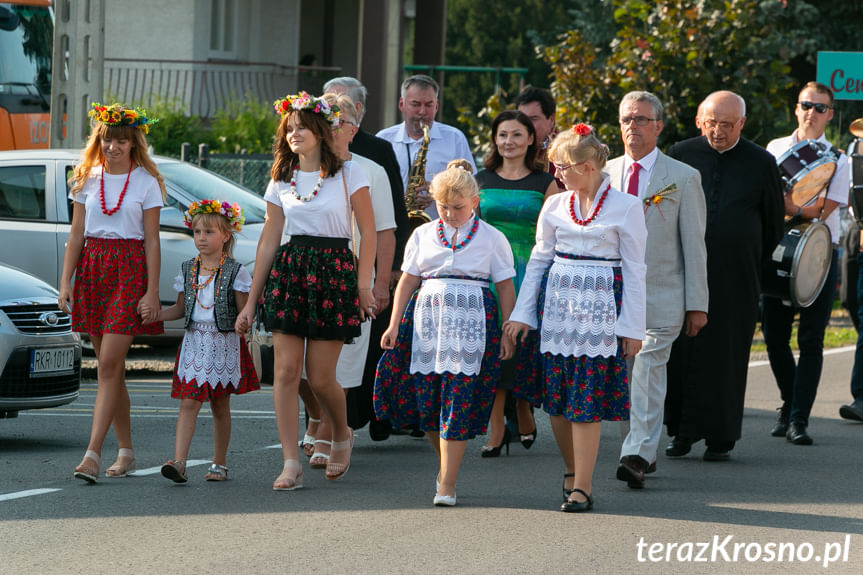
{"points": [[249, 170]]}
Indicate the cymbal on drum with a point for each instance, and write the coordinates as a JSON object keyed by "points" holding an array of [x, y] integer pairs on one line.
{"points": [[856, 128]]}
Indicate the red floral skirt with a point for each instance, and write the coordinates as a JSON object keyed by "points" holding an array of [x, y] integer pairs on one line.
{"points": [[182, 389], [110, 280]]}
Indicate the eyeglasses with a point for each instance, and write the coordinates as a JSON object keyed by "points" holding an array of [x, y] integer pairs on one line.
{"points": [[639, 120], [344, 122], [819, 107], [562, 168], [711, 123]]}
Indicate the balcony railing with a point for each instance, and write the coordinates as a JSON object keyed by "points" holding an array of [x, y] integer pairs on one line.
{"points": [[203, 88]]}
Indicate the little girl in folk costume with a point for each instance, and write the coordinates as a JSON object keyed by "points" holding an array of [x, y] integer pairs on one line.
{"points": [[443, 343], [113, 253], [213, 362]]}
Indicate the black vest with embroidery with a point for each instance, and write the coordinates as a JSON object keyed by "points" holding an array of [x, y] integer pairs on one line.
{"points": [[225, 307]]}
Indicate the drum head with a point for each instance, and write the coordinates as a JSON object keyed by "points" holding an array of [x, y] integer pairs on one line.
{"points": [[811, 264], [811, 182]]}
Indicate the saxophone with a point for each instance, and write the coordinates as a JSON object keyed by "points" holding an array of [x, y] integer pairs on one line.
{"points": [[416, 180]]}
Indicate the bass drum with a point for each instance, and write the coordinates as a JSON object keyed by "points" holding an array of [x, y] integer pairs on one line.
{"points": [[798, 266]]}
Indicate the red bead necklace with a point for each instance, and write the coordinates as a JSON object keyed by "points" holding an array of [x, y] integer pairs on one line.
{"points": [[198, 287], [112, 211], [461, 244], [595, 209]]}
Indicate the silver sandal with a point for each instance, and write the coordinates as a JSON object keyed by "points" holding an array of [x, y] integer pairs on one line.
{"points": [[216, 472]]}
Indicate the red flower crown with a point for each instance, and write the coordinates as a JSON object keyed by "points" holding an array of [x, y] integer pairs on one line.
{"points": [[582, 129]]}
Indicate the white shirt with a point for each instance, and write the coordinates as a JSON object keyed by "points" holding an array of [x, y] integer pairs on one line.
{"points": [[142, 194], [446, 143], [618, 232], [838, 188], [325, 215], [380, 191], [487, 255], [242, 283], [644, 173]]}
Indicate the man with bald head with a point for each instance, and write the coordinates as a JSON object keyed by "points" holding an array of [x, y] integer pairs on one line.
{"points": [[745, 207]]}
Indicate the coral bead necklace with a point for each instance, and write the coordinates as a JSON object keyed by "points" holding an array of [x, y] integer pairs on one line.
{"points": [[461, 244], [595, 210], [197, 287], [113, 210]]}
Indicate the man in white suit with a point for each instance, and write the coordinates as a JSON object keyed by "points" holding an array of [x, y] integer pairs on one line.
{"points": [[676, 258]]}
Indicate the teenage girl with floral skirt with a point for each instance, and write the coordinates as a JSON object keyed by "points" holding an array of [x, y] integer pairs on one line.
{"points": [[315, 296], [113, 252]]}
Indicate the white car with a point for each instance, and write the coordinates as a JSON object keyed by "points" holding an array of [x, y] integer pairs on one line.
{"points": [[36, 215], [40, 355]]}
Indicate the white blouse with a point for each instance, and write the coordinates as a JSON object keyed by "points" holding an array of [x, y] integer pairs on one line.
{"points": [[487, 255], [142, 194], [617, 233], [325, 215], [242, 283]]}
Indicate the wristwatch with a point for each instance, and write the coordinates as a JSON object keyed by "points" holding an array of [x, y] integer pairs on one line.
{"points": [[799, 211]]}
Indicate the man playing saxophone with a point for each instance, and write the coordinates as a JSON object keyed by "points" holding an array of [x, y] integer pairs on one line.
{"points": [[419, 105]]}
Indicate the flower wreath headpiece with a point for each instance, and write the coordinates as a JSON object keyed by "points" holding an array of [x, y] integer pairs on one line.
{"points": [[117, 115], [233, 213], [582, 129], [305, 101]]}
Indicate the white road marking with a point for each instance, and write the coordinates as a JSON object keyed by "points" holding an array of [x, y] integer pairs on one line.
{"points": [[831, 351], [155, 470], [27, 493]]}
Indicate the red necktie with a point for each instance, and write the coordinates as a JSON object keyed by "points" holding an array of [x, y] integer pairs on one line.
{"points": [[632, 187]]}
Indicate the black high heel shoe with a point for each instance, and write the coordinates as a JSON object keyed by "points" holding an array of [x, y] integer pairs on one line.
{"points": [[528, 439], [488, 451]]}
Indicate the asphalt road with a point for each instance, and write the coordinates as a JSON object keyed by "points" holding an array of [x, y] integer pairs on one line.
{"points": [[806, 501]]}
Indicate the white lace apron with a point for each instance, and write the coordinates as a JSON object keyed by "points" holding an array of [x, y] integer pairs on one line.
{"points": [[210, 356], [579, 311], [449, 327]]}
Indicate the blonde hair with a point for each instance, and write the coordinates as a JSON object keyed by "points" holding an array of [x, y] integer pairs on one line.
{"points": [[92, 155], [455, 181], [345, 104], [572, 147], [221, 222]]}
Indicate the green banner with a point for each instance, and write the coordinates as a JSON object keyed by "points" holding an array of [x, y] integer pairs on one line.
{"points": [[843, 72]]}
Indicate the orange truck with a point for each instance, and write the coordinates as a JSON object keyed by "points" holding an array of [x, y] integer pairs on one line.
{"points": [[26, 49]]}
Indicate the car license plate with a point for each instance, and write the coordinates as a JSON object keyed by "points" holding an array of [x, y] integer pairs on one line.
{"points": [[51, 361]]}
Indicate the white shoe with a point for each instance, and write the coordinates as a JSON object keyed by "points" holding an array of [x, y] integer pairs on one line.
{"points": [[444, 500]]}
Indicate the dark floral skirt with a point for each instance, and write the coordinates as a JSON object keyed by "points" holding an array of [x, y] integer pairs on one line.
{"points": [[456, 405], [110, 279], [312, 290], [580, 388]]}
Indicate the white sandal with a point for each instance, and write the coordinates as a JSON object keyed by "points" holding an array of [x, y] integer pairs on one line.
{"points": [[319, 460], [118, 470], [337, 470], [308, 442], [295, 482], [84, 471]]}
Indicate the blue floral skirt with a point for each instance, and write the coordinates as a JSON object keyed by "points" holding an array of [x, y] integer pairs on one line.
{"points": [[456, 405], [582, 389]]}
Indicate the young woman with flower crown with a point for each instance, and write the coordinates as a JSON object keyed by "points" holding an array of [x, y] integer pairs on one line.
{"points": [[315, 295], [583, 291], [443, 343], [113, 252], [213, 362]]}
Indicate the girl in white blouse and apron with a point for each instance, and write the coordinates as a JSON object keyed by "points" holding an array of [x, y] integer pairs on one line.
{"points": [[583, 292], [443, 343]]}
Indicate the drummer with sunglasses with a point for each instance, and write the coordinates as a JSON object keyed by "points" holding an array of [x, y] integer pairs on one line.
{"points": [[799, 383]]}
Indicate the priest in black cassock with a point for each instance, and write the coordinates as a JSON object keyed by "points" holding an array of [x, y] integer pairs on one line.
{"points": [[707, 373]]}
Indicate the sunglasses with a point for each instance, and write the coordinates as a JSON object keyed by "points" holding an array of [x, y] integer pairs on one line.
{"points": [[820, 108]]}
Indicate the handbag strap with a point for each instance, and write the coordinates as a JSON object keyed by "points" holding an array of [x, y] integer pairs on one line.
{"points": [[348, 213]]}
